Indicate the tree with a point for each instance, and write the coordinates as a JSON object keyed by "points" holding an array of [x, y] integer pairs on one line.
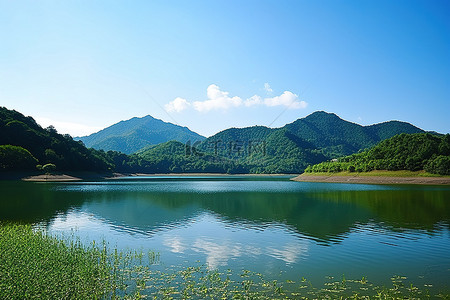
{"points": [[49, 168], [444, 146], [51, 129]]}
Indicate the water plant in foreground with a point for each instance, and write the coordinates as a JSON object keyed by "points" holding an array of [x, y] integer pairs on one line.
{"points": [[34, 265]]}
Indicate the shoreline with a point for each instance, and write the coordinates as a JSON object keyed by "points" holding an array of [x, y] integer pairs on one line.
{"points": [[80, 176], [205, 174], [305, 177], [420, 180], [61, 177]]}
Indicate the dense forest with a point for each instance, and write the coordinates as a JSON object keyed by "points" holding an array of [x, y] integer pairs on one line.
{"points": [[172, 157], [25, 145], [311, 139], [414, 152], [290, 149], [324, 132]]}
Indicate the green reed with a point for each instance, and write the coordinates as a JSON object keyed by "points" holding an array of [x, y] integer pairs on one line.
{"points": [[34, 265]]}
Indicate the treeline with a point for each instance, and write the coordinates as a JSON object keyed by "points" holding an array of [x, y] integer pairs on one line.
{"points": [[173, 157], [24, 144], [413, 152], [262, 150]]}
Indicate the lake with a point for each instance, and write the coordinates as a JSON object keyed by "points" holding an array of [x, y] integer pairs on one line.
{"points": [[267, 224]]}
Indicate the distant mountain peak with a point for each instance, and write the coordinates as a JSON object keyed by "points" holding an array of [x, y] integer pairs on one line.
{"points": [[321, 114], [131, 135]]}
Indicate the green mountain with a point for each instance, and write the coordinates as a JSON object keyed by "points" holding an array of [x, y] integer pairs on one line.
{"points": [[134, 134], [414, 152], [176, 157], [310, 140], [336, 137], [258, 149], [24, 144]]}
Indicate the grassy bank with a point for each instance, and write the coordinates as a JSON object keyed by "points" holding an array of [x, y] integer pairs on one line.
{"points": [[36, 266]]}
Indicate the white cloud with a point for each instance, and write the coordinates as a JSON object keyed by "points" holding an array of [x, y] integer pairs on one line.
{"points": [[177, 105], [74, 129], [267, 88], [220, 100], [288, 99], [217, 100], [254, 100]]}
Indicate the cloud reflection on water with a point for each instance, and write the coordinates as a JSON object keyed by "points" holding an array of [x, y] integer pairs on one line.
{"points": [[220, 243]]}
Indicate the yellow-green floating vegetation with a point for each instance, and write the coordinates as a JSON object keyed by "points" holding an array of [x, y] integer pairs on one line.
{"points": [[34, 265]]}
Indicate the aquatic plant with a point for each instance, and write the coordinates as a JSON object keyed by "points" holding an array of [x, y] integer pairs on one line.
{"points": [[34, 265]]}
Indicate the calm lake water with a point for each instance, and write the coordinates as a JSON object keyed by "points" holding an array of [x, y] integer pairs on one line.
{"points": [[271, 225]]}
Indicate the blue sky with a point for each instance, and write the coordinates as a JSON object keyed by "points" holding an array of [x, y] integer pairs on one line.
{"points": [[211, 65]]}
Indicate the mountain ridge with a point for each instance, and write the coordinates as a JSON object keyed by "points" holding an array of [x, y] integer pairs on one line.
{"points": [[129, 136], [323, 129], [315, 138]]}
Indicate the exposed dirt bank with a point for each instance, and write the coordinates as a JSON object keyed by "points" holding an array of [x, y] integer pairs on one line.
{"points": [[62, 177], [372, 179], [70, 176]]}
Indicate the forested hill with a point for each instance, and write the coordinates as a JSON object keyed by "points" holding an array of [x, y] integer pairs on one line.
{"points": [[134, 134], [258, 149], [310, 140], [176, 157], [414, 152], [25, 144], [337, 137]]}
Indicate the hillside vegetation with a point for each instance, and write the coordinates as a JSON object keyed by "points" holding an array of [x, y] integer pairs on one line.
{"points": [[337, 137], [24, 144], [290, 149], [311, 140], [413, 152]]}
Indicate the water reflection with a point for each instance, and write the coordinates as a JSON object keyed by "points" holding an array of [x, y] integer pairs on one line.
{"points": [[317, 211], [265, 225], [220, 245]]}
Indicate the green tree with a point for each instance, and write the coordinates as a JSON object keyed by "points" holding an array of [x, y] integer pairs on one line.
{"points": [[16, 158], [49, 168]]}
